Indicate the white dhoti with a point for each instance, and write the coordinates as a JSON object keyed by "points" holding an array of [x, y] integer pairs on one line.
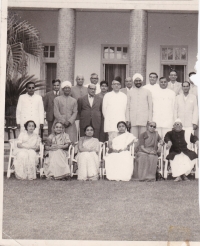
{"points": [[181, 165]]}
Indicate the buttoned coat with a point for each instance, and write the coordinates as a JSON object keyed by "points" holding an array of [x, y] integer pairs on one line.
{"points": [[65, 109], [139, 107], [30, 108], [88, 114], [186, 110]]}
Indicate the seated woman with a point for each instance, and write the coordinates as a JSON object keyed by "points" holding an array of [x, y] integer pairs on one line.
{"points": [[56, 163], [26, 157], [88, 160], [146, 157], [182, 159], [118, 163]]}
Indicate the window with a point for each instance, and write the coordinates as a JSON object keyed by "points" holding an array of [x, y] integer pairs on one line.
{"points": [[115, 52], [49, 51], [174, 54]]}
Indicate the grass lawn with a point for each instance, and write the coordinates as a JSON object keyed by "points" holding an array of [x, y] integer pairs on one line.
{"points": [[102, 210]]}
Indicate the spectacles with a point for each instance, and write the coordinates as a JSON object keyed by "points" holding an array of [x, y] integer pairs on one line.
{"points": [[177, 124], [94, 78], [31, 88], [93, 89], [153, 126], [116, 84]]}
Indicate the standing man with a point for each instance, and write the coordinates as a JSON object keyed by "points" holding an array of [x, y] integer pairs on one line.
{"points": [[90, 111], [173, 84], [30, 107], [193, 88], [163, 108], [65, 110], [94, 80], [129, 86], [104, 89], [114, 109], [78, 90], [186, 110], [152, 86], [139, 107], [48, 101]]}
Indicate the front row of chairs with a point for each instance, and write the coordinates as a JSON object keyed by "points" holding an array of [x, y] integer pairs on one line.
{"points": [[163, 170]]}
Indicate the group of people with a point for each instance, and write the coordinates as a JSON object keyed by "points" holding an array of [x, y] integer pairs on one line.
{"points": [[157, 113]]}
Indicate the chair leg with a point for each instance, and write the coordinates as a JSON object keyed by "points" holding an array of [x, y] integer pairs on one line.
{"points": [[8, 134], [196, 170], [165, 171], [14, 133], [9, 165]]}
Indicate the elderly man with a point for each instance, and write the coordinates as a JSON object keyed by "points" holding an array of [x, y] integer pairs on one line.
{"points": [[139, 107], [163, 107], [78, 90], [94, 80], [128, 84], [90, 111], [173, 84], [48, 101], [30, 107], [65, 110], [187, 110], [114, 109], [182, 159], [152, 86]]}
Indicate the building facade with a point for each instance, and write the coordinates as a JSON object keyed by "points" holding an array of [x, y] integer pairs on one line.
{"points": [[115, 41]]}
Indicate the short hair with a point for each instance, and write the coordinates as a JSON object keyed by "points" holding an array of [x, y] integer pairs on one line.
{"points": [[122, 122], [90, 85], [116, 81], [26, 124], [162, 78], [55, 80], [185, 82], [154, 74], [57, 123], [191, 73], [93, 74], [78, 76], [173, 70], [30, 82], [103, 82], [88, 126]]}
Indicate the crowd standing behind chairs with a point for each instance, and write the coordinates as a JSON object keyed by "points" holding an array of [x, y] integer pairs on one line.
{"points": [[154, 114]]}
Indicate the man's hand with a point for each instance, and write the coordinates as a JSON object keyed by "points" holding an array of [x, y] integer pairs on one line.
{"points": [[169, 144], [41, 126], [128, 123], [67, 124], [161, 142], [18, 126], [194, 126]]}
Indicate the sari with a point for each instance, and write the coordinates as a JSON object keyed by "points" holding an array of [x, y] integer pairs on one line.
{"points": [[56, 162], [88, 162], [146, 164], [119, 166], [26, 159]]}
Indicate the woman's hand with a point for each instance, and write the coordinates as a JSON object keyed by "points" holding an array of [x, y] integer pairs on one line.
{"points": [[161, 142], [153, 152]]}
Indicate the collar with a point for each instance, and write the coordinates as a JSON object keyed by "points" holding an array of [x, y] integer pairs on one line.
{"points": [[29, 95]]}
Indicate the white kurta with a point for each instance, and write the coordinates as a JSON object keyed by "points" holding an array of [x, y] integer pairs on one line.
{"points": [[163, 107], [114, 110], [176, 87], [30, 108], [151, 88]]}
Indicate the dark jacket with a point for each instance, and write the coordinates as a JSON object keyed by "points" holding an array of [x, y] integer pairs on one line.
{"points": [[48, 101], [90, 114], [179, 144]]}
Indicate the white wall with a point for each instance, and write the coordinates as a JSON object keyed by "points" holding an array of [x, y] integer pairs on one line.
{"points": [[171, 29]]}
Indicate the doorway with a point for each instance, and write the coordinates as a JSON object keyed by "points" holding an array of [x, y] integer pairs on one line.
{"points": [[180, 69], [114, 70], [50, 74]]}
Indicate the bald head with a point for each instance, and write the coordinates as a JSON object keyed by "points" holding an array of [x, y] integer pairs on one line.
{"points": [[79, 80]]}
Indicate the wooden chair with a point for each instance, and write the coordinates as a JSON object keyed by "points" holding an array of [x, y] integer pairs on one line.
{"points": [[13, 145], [10, 126]]}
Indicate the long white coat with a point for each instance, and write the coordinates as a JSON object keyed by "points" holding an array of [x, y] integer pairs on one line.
{"points": [[186, 110], [163, 107], [114, 110], [30, 108]]}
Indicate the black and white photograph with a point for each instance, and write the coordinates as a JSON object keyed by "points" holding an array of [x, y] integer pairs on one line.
{"points": [[100, 122]]}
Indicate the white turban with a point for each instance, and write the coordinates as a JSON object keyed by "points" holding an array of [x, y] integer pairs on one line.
{"points": [[178, 120], [137, 75], [66, 83]]}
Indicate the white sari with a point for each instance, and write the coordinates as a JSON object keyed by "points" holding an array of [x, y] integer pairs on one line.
{"points": [[119, 166]]}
